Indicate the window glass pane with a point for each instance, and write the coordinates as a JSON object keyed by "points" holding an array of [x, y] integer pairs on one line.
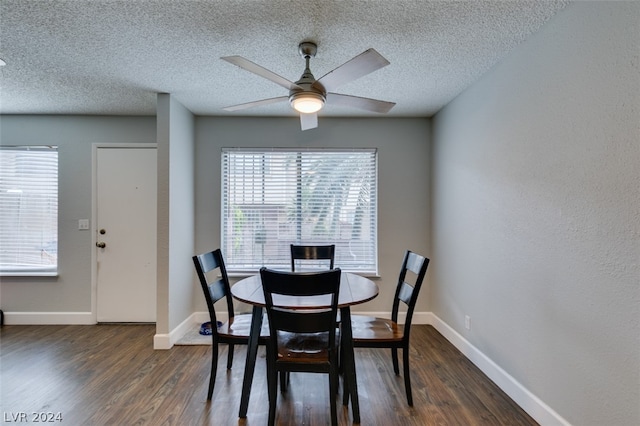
{"points": [[28, 210], [273, 198]]}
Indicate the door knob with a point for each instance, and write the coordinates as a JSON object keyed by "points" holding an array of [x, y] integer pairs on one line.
{"points": [[101, 244]]}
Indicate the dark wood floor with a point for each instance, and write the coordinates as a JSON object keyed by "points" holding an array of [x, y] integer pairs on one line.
{"points": [[110, 375]]}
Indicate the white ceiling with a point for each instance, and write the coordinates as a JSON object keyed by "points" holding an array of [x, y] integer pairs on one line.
{"points": [[112, 57]]}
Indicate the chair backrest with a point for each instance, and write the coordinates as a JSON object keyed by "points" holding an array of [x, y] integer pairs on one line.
{"points": [[214, 280], [414, 268], [302, 284], [309, 252]]}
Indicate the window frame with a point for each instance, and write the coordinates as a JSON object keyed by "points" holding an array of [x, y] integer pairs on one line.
{"points": [[48, 195], [369, 242]]}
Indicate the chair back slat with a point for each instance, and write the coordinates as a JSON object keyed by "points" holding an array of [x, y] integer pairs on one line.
{"points": [[405, 293], [209, 261], [217, 290], [296, 322], [415, 262], [288, 283]]}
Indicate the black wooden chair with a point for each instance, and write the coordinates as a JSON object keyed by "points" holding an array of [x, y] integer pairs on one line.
{"points": [[309, 255], [215, 285], [302, 253], [371, 332], [301, 340]]}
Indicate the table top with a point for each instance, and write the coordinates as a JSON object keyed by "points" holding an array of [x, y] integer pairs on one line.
{"points": [[354, 289]]}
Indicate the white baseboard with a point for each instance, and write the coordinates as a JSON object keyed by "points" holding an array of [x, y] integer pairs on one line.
{"points": [[162, 341], [418, 317], [49, 318], [166, 341], [534, 406]]}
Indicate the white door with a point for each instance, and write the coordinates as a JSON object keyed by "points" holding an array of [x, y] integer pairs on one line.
{"points": [[125, 226]]}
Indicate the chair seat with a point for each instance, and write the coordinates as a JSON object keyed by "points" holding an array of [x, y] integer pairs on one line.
{"points": [[366, 328], [239, 327]]}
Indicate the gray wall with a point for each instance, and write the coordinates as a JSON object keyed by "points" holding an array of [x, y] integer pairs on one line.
{"points": [[536, 227], [403, 178], [74, 135]]}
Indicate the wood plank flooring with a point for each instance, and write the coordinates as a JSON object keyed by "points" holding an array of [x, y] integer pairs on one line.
{"points": [[110, 375]]}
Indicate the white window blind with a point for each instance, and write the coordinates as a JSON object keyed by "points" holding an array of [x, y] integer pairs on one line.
{"points": [[277, 197], [28, 210]]}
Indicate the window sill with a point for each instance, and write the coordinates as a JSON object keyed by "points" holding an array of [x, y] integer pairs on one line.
{"points": [[28, 273]]}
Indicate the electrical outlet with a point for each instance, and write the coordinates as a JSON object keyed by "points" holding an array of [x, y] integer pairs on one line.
{"points": [[467, 322]]}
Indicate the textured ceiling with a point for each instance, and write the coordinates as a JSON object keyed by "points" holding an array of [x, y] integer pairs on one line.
{"points": [[112, 57]]}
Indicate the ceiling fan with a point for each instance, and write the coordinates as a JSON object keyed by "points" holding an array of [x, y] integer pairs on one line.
{"points": [[308, 95]]}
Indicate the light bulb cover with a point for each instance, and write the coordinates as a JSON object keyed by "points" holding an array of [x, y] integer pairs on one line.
{"points": [[307, 102]]}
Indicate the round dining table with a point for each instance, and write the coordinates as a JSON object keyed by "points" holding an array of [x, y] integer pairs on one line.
{"points": [[354, 289]]}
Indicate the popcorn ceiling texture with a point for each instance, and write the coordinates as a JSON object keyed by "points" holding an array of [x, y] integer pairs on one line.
{"points": [[113, 57]]}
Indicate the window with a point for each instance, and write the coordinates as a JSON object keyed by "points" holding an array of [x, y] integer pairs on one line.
{"points": [[277, 197], [28, 210]]}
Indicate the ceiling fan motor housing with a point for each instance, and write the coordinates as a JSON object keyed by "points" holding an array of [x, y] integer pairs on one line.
{"points": [[308, 89]]}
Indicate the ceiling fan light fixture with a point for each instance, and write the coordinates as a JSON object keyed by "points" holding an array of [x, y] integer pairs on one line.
{"points": [[307, 102]]}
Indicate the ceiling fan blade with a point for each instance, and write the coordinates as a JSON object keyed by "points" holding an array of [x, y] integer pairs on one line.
{"points": [[363, 64], [308, 121], [256, 103], [261, 71], [367, 104]]}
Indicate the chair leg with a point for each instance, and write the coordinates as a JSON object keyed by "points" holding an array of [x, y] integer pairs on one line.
{"points": [[284, 381], [272, 387], [345, 391], [273, 396], [214, 369], [394, 358], [333, 393], [230, 356], [407, 378], [340, 357], [345, 378], [350, 384]]}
